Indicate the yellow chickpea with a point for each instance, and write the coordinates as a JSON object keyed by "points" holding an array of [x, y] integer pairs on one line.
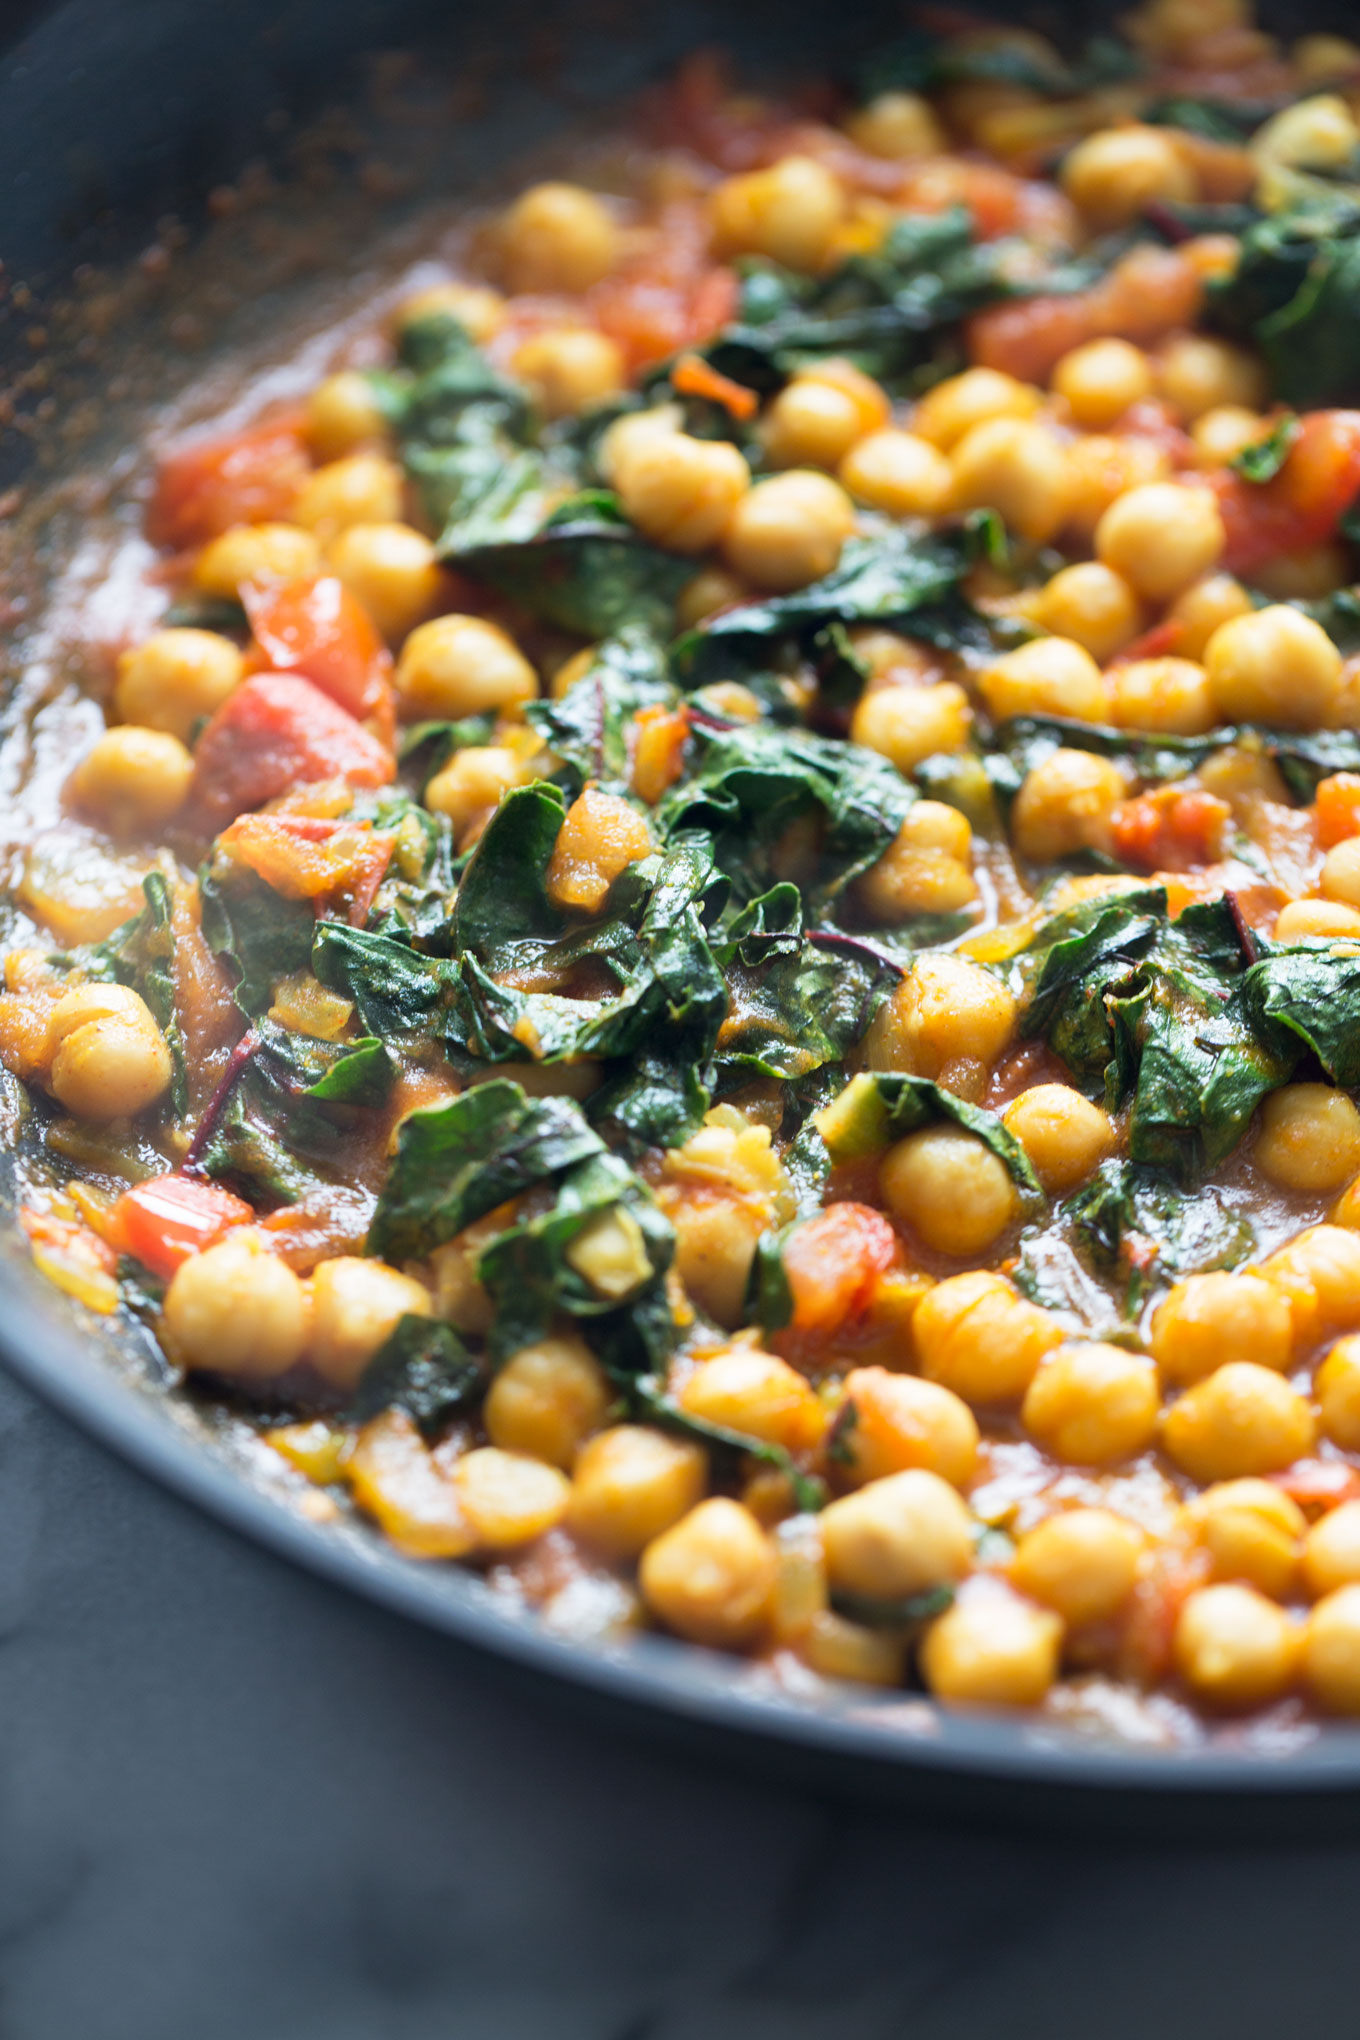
{"points": [[711, 590], [1202, 608], [954, 407], [1048, 676], [992, 1649], [945, 1009], [1331, 1551], [1161, 537], [897, 1537], [254, 552], [479, 310], [897, 472], [908, 723], [1321, 58], [236, 1310], [601, 835], [1252, 1532], [1274, 666], [1162, 694], [681, 492], [1299, 919], [630, 1484], [356, 1305], [1221, 434], [1309, 1138], [1090, 606], [462, 665], [819, 416], [977, 1336], [789, 530], [361, 488], [569, 368], [924, 870], [1318, 1273], [133, 780], [1082, 1563], [791, 213], [1241, 1419], [1331, 1651], [1066, 1136], [1338, 1393], [392, 570], [1209, 1320], [897, 125], [1197, 372], [900, 1422], [106, 1057], [175, 679], [471, 785], [1018, 467], [1100, 470], [948, 1186], [762, 1397], [558, 237], [343, 415], [1065, 804], [1090, 1404], [1113, 174], [546, 1400], [1101, 379], [1234, 1648], [711, 1577], [1308, 575], [509, 1500]]}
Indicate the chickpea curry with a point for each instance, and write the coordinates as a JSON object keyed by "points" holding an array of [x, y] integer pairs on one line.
{"points": [[713, 960]]}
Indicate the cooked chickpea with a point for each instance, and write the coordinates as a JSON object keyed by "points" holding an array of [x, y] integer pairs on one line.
{"points": [[924, 870], [462, 665], [472, 783], [631, 1483], [992, 1649], [1091, 1403], [1309, 1138], [978, 1336], [1082, 1563], [715, 1244], [752, 1392], [954, 407], [546, 1400], [945, 1009], [1018, 467], [1202, 608], [1234, 1648], [1331, 1651], [1299, 919], [479, 310], [236, 1310], [1100, 469], [907, 723], [343, 415], [818, 417], [1221, 434], [897, 1537], [1090, 606], [898, 126], [948, 1186], [569, 368], [899, 473], [711, 1577], [1197, 373], [1065, 805], [1331, 1551], [1048, 676], [1338, 1393], [1252, 1532], [1308, 575], [175, 679], [1318, 1272], [1113, 174], [791, 213], [362, 488], [789, 530], [1101, 379], [133, 780], [508, 1499], [1241, 1419], [600, 836], [1273, 666], [1066, 1136], [900, 1422], [1209, 1320], [681, 492], [107, 1058], [392, 570], [1161, 537], [254, 552], [1162, 694], [558, 237], [356, 1305]]}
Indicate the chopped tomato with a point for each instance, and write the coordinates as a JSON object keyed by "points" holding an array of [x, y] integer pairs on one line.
{"points": [[277, 732], [165, 1221], [1298, 507], [1153, 644], [251, 478], [669, 294], [1318, 1484], [834, 1262], [659, 737], [695, 377], [1173, 829], [305, 857], [1338, 808], [317, 628], [1146, 294], [1171, 1574]]}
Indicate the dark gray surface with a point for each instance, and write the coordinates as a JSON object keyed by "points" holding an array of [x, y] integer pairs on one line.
{"points": [[234, 1802]]}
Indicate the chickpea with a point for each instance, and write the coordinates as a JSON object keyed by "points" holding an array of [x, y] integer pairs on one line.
{"points": [[479, 310], [1241, 1419], [715, 1245], [1101, 379], [236, 1310], [1202, 608], [754, 1393], [1162, 694], [1100, 469], [1065, 1136], [945, 1009], [1113, 174], [1331, 1551], [1161, 537], [1252, 1532], [546, 1400], [924, 870], [1092, 607], [1175, 27], [1092, 1403], [630, 433], [1065, 805], [254, 552], [992, 1649], [791, 213], [1017, 467], [907, 723], [343, 416], [1318, 1273], [600, 837], [1338, 1392], [682, 493], [1234, 1648], [1209, 1320], [175, 679], [897, 1537], [1048, 676], [569, 368], [1198, 373], [1082, 1563], [107, 1057], [948, 1186], [898, 473], [558, 237], [356, 1305], [1331, 1651], [1309, 1138], [471, 785], [507, 1499], [789, 530], [1273, 666], [955, 406], [1320, 58], [819, 416], [392, 570], [1221, 434], [711, 590], [362, 488], [462, 665], [1308, 575], [133, 780], [897, 125], [631, 1483], [711, 1577], [902, 1422], [976, 1335], [1302, 918]]}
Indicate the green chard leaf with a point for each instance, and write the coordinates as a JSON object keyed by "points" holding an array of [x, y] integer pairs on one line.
{"points": [[422, 1367], [1295, 294], [1136, 1222], [879, 1107], [141, 954], [582, 568], [1263, 459], [588, 727], [396, 990], [263, 936], [1308, 998], [288, 1124], [650, 1403]]}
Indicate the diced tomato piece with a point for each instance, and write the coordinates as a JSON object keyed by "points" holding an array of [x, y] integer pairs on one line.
{"points": [[695, 377], [317, 628], [251, 478], [166, 1220], [1173, 829], [1319, 1484], [1153, 644], [276, 732], [1170, 1576], [306, 857], [1338, 808], [834, 1262], [659, 738], [1146, 294], [1298, 507]]}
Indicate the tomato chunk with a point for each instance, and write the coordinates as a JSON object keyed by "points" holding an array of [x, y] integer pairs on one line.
{"points": [[1338, 808], [1170, 830], [1298, 507], [317, 628], [164, 1221], [278, 731], [250, 478], [834, 1262]]}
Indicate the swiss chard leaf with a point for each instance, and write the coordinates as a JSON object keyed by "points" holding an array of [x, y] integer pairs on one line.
{"points": [[1263, 459], [141, 954], [396, 990], [652, 1404], [1309, 998], [588, 727], [921, 62], [422, 1367], [1136, 1222], [879, 1107], [263, 936], [1295, 294], [289, 1121], [582, 569]]}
